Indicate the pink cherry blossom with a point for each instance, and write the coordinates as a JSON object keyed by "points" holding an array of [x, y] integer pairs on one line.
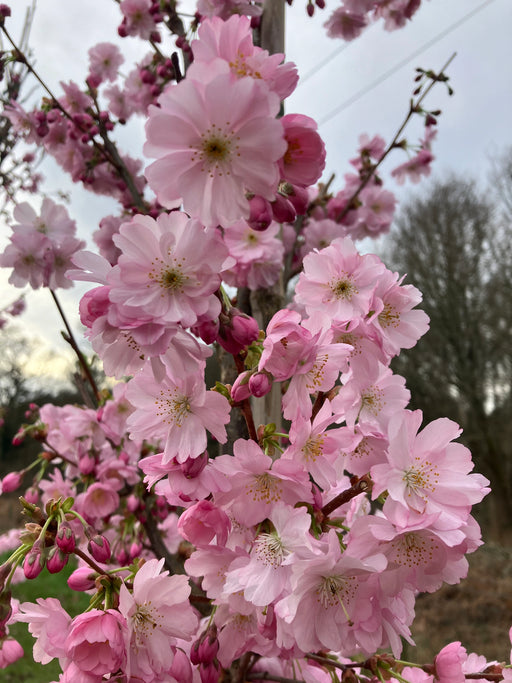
{"points": [[157, 613], [176, 411], [169, 268], [95, 642], [345, 24], [49, 623], [231, 40], [265, 573], [214, 140], [427, 471], [448, 664], [338, 281], [104, 61], [304, 159]]}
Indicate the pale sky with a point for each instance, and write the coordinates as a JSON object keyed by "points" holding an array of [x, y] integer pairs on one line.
{"points": [[475, 123]]}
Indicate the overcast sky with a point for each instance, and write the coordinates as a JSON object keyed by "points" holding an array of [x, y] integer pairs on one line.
{"points": [[363, 79]]}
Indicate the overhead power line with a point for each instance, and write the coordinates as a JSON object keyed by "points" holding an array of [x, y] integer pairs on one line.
{"points": [[383, 77]]}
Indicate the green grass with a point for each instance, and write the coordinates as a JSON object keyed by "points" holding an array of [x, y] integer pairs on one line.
{"points": [[47, 585]]}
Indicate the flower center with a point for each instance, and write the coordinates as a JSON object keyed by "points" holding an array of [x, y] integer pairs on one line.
{"points": [[421, 480], [240, 67], [173, 409], [389, 317], [270, 549], [216, 148], [334, 591], [343, 288], [265, 488], [313, 448], [144, 622]]}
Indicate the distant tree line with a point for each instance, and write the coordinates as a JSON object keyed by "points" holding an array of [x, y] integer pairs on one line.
{"points": [[454, 241]]}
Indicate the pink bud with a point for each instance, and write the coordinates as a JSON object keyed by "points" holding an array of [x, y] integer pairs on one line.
{"points": [[132, 502], [33, 563], [65, 538], [283, 210], [237, 330], [135, 550], [202, 521], [299, 200], [209, 673], [11, 481], [260, 384], [82, 579], [87, 464], [57, 560], [208, 646], [240, 389], [99, 548], [181, 669], [207, 330], [11, 651], [261, 213], [192, 467], [31, 495]]}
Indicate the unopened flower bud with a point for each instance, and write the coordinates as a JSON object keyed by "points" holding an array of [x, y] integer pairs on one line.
{"points": [[99, 548], [65, 538], [11, 481], [33, 563], [192, 467], [57, 560], [208, 646], [261, 213], [82, 579], [240, 389], [209, 673], [237, 330], [260, 384]]}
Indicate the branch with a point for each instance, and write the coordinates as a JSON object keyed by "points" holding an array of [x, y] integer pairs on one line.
{"points": [[363, 484], [413, 108], [72, 342], [108, 151]]}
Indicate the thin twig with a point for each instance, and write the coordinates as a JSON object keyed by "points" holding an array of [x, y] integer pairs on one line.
{"points": [[412, 109], [72, 341]]}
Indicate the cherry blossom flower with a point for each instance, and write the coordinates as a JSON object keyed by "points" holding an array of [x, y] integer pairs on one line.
{"points": [[104, 61], [265, 573], [96, 642], [427, 471], [157, 613], [231, 40], [345, 24], [169, 268], [338, 281], [304, 159], [214, 139], [176, 411], [48, 622]]}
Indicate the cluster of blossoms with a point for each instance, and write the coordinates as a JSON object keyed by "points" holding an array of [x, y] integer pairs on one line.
{"points": [[41, 246], [350, 20], [206, 547]]}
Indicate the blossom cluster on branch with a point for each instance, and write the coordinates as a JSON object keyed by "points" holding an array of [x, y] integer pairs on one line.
{"points": [[214, 547]]}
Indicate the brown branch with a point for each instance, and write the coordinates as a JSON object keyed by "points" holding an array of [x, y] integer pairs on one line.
{"points": [[361, 485], [108, 151], [69, 337], [414, 107]]}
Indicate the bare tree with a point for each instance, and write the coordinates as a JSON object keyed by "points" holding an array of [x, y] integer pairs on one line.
{"points": [[455, 248]]}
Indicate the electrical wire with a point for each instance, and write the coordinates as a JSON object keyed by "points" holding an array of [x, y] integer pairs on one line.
{"points": [[383, 77]]}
